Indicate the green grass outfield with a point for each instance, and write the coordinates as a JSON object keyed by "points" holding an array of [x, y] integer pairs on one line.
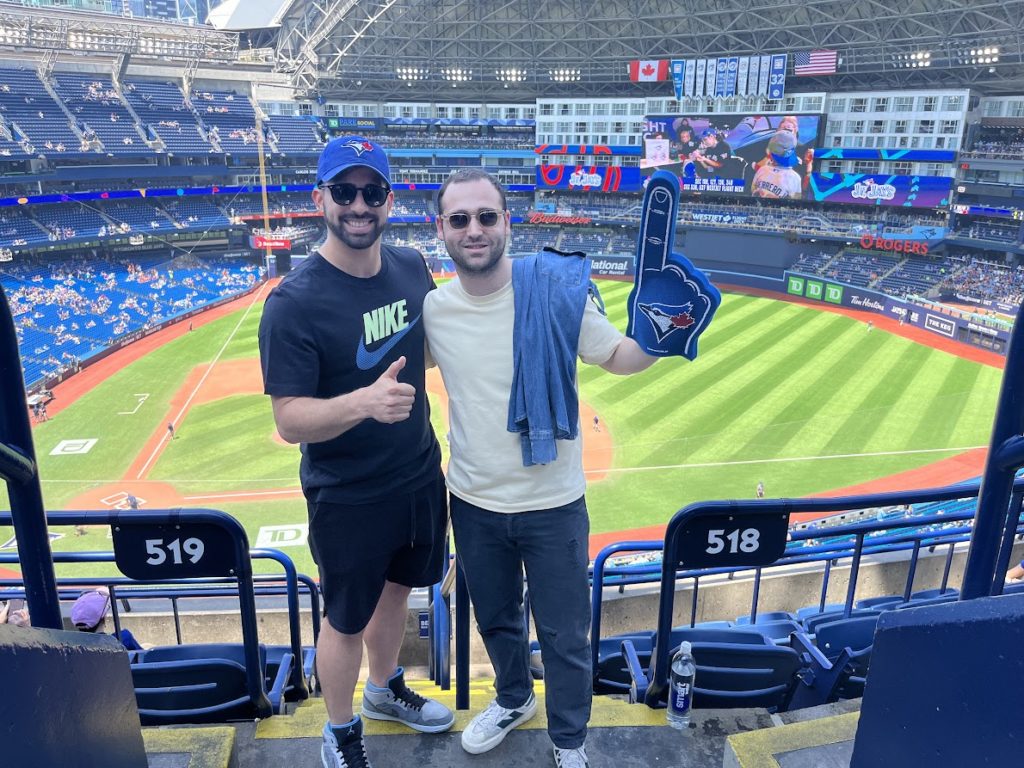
{"points": [[801, 399]]}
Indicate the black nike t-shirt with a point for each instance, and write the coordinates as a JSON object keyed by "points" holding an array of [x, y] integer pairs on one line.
{"points": [[325, 333]]}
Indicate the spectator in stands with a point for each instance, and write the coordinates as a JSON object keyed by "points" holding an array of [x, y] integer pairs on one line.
{"points": [[89, 614], [1016, 573], [335, 336], [469, 326], [711, 154], [15, 613]]}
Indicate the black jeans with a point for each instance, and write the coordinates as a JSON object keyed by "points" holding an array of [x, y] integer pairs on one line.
{"points": [[552, 544]]}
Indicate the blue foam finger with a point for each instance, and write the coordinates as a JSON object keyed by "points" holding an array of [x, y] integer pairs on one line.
{"points": [[672, 302]]}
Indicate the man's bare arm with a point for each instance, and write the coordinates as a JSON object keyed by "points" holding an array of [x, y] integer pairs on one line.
{"points": [[628, 358], [316, 420]]}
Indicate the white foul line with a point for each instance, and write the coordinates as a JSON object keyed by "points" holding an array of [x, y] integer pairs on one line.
{"points": [[712, 464], [199, 384]]}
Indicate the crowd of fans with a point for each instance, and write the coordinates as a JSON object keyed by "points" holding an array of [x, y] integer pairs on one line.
{"points": [[983, 279], [998, 144]]}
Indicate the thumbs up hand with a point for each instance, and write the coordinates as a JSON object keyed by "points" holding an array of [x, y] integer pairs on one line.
{"points": [[390, 400]]}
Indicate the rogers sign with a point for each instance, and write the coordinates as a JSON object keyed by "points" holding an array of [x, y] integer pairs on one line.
{"points": [[536, 217], [872, 243]]}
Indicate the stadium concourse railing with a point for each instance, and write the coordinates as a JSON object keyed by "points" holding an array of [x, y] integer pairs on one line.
{"points": [[175, 590]]}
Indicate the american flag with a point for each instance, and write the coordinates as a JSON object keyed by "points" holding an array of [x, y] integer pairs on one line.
{"points": [[815, 63]]}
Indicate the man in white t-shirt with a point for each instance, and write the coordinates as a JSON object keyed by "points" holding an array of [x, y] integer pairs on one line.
{"points": [[507, 516]]}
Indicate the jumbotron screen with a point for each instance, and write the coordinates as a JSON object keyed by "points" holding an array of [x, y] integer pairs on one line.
{"points": [[754, 155]]}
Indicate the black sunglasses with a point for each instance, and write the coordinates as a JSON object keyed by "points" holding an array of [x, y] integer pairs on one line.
{"points": [[374, 195], [487, 218]]}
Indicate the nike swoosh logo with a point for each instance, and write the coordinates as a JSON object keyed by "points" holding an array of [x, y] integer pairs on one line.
{"points": [[367, 360]]}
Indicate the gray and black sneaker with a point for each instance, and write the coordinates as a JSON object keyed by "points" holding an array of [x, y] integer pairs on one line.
{"points": [[343, 747], [403, 705], [486, 730]]}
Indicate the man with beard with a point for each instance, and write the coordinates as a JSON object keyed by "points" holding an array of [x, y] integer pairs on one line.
{"points": [[507, 514], [342, 350]]}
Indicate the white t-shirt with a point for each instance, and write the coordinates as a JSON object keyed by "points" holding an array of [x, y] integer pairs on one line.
{"points": [[773, 181], [470, 338]]}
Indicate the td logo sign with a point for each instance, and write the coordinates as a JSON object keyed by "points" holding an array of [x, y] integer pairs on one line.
{"points": [[814, 289]]}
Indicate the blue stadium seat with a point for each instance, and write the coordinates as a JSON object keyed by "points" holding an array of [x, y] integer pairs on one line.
{"points": [[730, 675], [816, 610], [927, 594], [811, 624], [767, 616], [880, 601], [202, 683]]}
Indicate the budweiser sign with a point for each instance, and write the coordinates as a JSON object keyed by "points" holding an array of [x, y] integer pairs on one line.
{"points": [[536, 217]]}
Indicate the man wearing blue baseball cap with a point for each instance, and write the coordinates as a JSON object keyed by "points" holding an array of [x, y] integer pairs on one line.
{"points": [[776, 178], [342, 349]]}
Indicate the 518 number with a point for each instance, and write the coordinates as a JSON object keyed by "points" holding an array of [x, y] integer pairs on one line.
{"points": [[737, 541]]}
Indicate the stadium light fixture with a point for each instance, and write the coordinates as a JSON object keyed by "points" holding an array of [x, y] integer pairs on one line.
{"points": [[510, 75], [412, 73], [565, 75], [457, 74]]}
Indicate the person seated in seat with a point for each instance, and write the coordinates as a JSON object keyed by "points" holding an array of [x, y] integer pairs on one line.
{"points": [[89, 614], [1016, 573]]}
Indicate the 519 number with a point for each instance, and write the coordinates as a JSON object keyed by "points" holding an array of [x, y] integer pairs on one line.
{"points": [[192, 548]]}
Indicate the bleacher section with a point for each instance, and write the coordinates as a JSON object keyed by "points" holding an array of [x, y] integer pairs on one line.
{"points": [[197, 213], [67, 312], [25, 103], [161, 107], [296, 135], [99, 111], [140, 217], [66, 222], [230, 118]]}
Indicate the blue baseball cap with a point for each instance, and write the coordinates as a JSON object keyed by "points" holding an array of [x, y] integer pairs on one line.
{"points": [[346, 152], [782, 148]]}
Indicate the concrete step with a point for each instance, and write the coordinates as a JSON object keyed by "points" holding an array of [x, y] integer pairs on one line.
{"points": [[621, 734]]}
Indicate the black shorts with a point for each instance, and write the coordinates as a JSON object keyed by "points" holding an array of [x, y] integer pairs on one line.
{"points": [[358, 547]]}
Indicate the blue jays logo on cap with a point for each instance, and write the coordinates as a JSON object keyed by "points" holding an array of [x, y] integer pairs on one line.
{"points": [[351, 152]]}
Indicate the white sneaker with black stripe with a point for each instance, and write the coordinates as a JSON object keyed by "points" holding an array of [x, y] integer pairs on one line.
{"points": [[486, 730], [571, 758]]}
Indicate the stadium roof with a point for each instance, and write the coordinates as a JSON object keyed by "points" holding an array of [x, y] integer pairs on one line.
{"points": [[512, 50], [240, 15]]}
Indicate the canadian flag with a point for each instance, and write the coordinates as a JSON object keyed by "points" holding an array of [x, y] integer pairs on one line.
{"points": [[648, 71]]}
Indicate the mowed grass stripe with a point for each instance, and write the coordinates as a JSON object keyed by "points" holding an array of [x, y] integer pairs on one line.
{"points": [[793, 407], [667, 377], [224, 441], [825, 404], [743, 409], [701, 392], [937, 418], [702, 409], [869, 413]]}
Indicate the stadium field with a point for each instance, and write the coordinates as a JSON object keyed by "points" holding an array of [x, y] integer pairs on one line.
{"points": [[801, 399]]}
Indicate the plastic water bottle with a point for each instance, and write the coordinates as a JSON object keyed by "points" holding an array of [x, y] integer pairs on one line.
{"points": [[680, 693]]}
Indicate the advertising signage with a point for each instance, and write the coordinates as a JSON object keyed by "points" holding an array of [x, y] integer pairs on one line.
{"points": [[749, 155], [881, 190]]}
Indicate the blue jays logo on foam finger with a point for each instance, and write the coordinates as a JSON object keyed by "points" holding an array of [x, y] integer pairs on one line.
{"points": [[672, 302]]}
